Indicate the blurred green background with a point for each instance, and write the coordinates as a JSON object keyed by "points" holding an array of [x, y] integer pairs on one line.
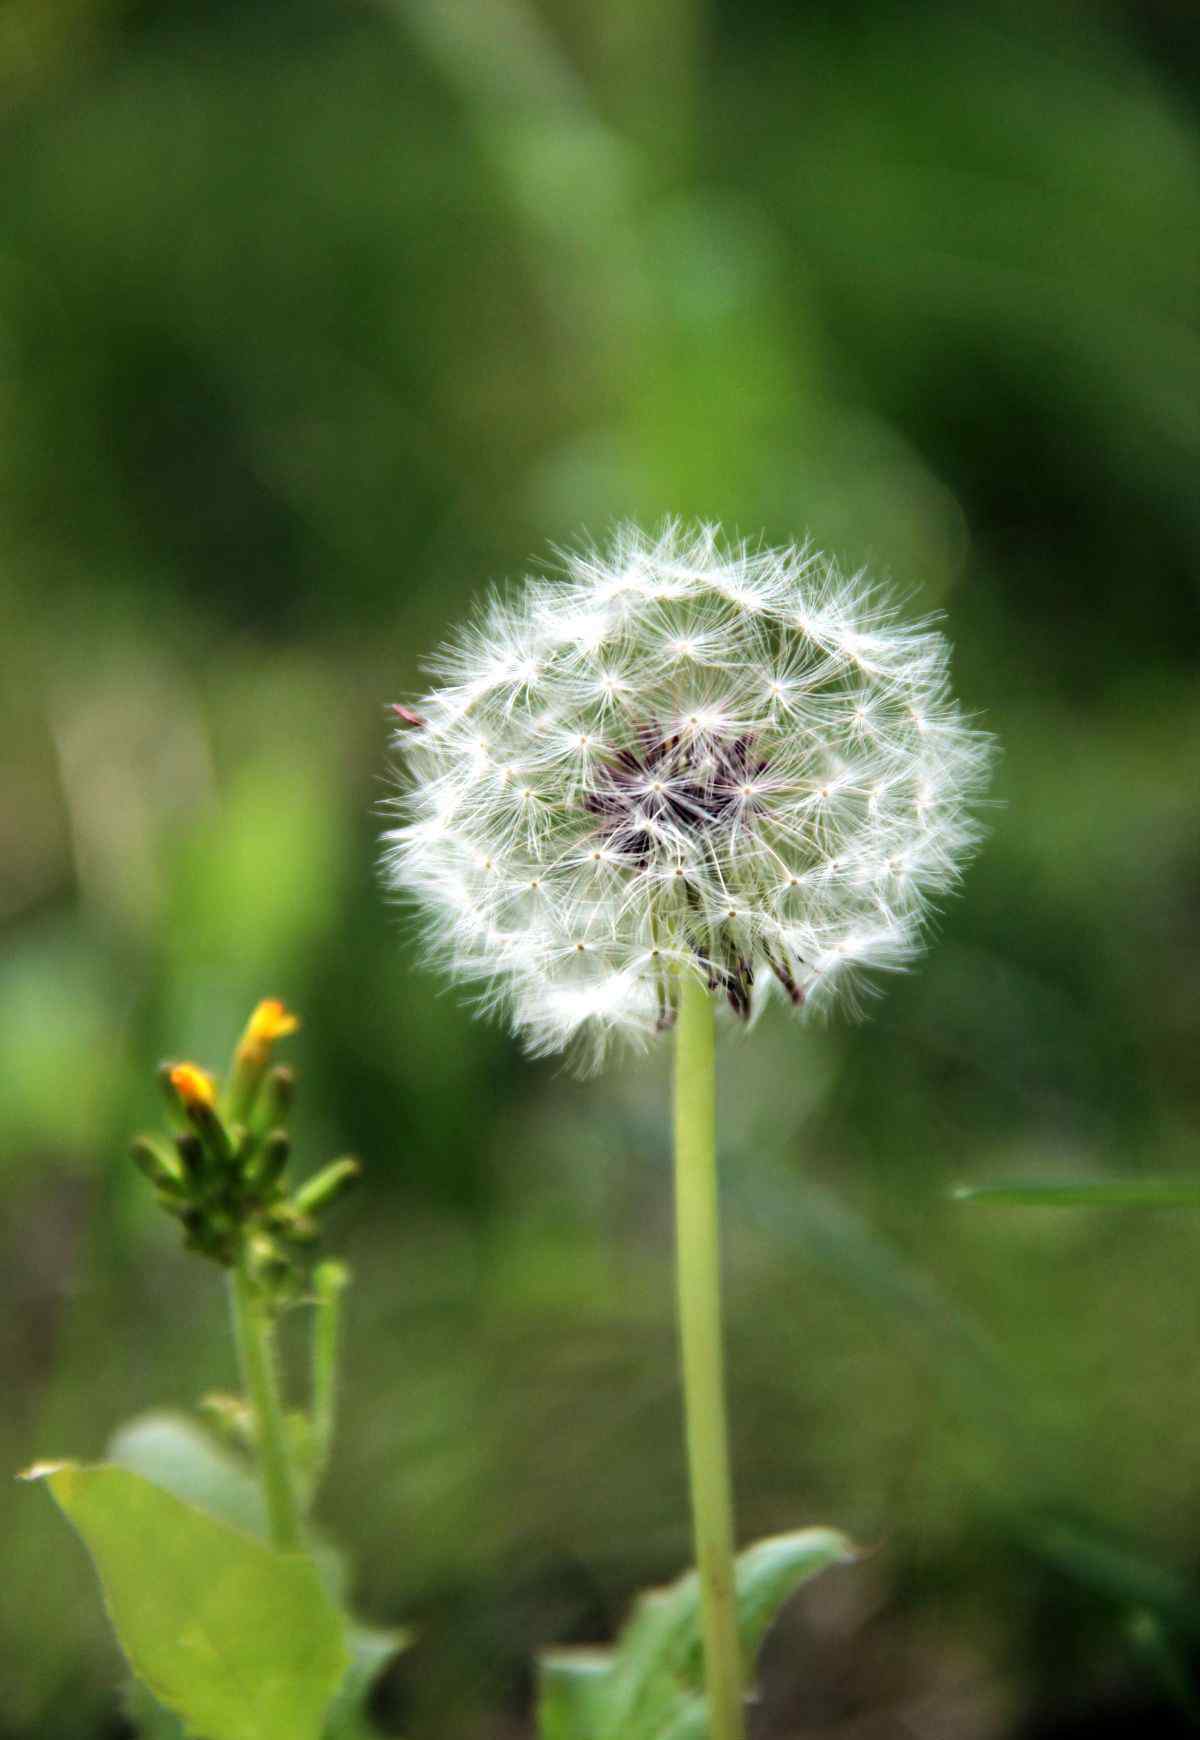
{"points": [[315, 317]]}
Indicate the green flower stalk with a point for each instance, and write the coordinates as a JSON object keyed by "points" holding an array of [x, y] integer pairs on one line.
{"points": [[699, 1281], [254, 1336]]}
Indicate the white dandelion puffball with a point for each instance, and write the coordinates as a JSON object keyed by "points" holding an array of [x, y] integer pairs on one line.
{"points": [[681, 758]]}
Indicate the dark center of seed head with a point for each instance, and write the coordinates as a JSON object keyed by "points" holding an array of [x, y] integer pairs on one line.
{"points": [[671, 782]]}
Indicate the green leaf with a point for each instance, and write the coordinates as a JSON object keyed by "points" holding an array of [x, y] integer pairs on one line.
{"points": [[1086, 1193], [690, 1719], [346, 1719], [174, 1452], [151, 1721], [774, 1568], [370, 1652], [571, 1688], [646, 1688], [241, 1641], [650, 1685]]}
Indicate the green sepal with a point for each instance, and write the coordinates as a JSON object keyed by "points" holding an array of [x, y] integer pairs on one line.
{"points": [[326, 1186], [241, 1093], [190, 1149], [212, 1131], [276, 1098], [269, 1163], [159, 1164]]}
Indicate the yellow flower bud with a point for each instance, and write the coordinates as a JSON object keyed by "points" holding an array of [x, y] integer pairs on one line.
{"points": [[194, 1086], [270, 1021]]}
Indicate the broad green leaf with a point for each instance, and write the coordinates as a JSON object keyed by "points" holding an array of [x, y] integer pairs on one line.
{"points": [[1086, 1193], [177, 1453], [241, 1641], [650, 1685], [346, 1719]]}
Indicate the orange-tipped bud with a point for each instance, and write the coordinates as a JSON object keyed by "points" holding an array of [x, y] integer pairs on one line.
{"points": [[194, 1086], [270, 1021]]}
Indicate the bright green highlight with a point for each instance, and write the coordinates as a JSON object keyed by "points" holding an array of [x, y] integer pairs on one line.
{"points": [[242, 1641], [650, 1685], [699, 1283]]}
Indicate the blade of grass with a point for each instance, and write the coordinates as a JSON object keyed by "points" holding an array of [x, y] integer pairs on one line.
{"points": [[1084, 1193]]}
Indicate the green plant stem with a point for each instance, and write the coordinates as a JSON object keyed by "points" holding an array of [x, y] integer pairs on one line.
{"points": [[699, 1282], [254, 1334], [330, 1283]]}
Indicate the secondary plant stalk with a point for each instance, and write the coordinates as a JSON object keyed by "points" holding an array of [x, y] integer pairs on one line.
{"points": [[699, 1283], [254, 1333]]}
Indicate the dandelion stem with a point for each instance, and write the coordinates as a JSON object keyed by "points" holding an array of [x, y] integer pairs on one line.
{"points": [[698, 1264], [255, 1337]]}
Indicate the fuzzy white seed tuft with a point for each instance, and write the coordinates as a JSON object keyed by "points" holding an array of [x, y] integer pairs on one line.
{"points": [[682, 758]]}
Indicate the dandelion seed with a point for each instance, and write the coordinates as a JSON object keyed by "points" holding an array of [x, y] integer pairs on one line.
{"points": [[680, 759]]}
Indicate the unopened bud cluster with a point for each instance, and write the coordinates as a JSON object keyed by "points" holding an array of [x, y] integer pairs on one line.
{"points": [[682, 758], [222, 1174]]}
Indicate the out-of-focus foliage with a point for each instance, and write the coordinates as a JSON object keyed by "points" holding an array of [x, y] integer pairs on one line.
{"points": [[316, 316]]}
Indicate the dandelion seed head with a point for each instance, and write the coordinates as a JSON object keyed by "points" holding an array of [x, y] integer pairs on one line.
{"points": [[682, 757]]}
